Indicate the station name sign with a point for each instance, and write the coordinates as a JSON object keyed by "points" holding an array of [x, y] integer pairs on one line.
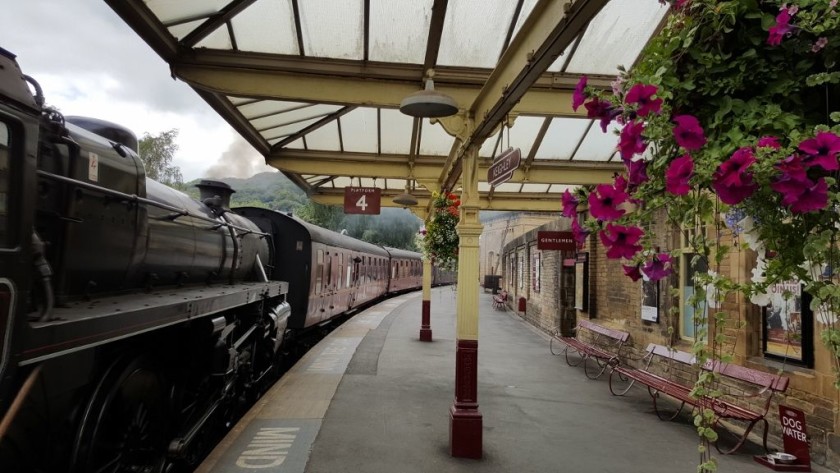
{"points": [[562, 241], [502, 168], [362, 200]]}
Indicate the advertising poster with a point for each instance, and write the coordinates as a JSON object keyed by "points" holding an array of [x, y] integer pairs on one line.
{"points": [[783, 321], [650, 300]]}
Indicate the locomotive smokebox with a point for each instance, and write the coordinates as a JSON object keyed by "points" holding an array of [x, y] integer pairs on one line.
{"points": [[215, 194]]}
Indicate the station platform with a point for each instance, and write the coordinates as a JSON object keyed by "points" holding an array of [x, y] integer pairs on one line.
{"points": [[372, 398]]}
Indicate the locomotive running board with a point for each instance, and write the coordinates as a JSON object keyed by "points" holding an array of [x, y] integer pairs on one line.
{"points": [[86, 324]]}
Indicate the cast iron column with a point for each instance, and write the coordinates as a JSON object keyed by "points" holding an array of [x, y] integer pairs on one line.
{"points": [[465, 421], [426, 324]]}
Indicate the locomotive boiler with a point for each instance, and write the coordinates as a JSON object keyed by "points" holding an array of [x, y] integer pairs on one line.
{"points": [[133, 319]]}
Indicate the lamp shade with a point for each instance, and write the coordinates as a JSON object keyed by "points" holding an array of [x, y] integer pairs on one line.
{"points": [[405, 199], [429, 103]]}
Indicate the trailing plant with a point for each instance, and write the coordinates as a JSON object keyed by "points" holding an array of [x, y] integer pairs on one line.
{"points": [[728, 129], [438, 240]]}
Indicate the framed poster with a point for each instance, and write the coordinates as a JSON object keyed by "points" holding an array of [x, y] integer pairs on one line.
{"points": [[788, 324], [650, 300], [582, 282]]}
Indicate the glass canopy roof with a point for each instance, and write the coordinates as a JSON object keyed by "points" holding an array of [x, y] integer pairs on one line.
{"points": [[314, 85]]}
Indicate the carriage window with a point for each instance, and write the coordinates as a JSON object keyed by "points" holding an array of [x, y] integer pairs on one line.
{"points": [[328, 270], [319, 271], [5, 181], [340, 270]]}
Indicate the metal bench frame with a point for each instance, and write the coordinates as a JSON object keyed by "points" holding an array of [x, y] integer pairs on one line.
{"points": [[767, 385], [500, 300], [603, 345]]}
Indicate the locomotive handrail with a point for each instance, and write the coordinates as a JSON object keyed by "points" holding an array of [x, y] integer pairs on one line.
{"points": [[142, 200]]}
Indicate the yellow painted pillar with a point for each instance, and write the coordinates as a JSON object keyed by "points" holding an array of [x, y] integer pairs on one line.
{"points": [[426, 324], [465, 420]]}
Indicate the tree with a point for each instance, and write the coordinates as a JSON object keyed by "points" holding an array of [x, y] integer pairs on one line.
{"points": [[327, 216], [157, 153]]}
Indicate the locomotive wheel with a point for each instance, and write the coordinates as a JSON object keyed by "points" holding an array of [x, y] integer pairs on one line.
{"points": [[124, 428]]}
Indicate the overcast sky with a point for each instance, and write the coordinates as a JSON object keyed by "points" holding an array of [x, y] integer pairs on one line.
{"points": [[89, 62]]}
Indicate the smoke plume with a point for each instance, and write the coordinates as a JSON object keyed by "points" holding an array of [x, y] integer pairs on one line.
{"points": [[240, 160]]}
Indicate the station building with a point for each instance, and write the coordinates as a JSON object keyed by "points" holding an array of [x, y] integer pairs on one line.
{"points": [[552, 290]]}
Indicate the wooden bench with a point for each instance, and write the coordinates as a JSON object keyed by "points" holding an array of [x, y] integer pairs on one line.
{"points": [[663, 378], [591, 341], [500, 300]]}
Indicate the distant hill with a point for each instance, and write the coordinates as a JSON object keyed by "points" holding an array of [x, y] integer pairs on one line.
{"points": [[267, 189]]}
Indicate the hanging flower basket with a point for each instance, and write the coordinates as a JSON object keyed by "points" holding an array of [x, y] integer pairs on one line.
{"points": [[438, 240]]}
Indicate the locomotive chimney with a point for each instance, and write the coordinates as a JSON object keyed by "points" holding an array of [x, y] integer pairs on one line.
{"points": [[215, 194]]}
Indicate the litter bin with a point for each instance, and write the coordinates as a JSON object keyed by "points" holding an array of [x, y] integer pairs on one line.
{"points": [[521, 304]]}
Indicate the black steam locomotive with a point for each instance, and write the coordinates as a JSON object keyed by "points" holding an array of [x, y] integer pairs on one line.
{"points": [[134, 320]]}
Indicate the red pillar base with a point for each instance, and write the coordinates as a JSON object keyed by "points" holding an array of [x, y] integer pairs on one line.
{"points": [[465, 420], [425, 335], [425, 325], [465, 426]]}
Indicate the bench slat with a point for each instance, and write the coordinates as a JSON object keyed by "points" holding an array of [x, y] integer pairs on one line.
{"points": [[616, 334]]}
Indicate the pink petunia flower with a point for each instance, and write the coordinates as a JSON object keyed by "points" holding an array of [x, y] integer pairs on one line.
{"points": [[642, 94], [678, 174], [780, 29], [603, 111], [822, 151], [578, 97], [579, 233], [621, 241], [620, 183], [658, 267], [812, 199], [570, 203], [801, 194], [637, 171], [631, 141], [604, 202], [632, 272], [819, 44], [792, 167], [732, 181], [688, 132], [768, 142]]}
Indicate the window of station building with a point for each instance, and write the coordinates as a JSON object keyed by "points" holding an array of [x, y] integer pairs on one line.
{"points": [[520, 269], [535, 269], [691, 264]]}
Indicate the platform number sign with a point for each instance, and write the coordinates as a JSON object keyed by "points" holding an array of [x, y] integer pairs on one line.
{"points": [[362, 200]]}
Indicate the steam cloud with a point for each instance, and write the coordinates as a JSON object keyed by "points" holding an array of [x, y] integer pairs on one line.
{"points": [[240, 160]]}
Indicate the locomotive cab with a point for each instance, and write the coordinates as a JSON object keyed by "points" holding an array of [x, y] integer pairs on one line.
{"points": [[19, 129]]}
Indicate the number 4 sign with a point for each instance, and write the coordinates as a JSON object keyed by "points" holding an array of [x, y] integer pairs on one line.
{"points": [[362, 200]]}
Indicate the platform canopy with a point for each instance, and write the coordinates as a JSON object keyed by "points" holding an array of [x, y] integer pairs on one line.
{"points": [[315, 86]]}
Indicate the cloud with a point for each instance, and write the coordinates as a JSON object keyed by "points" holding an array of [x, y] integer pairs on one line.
{"points": [[88, 39], [240, 160], [90, 63]]}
